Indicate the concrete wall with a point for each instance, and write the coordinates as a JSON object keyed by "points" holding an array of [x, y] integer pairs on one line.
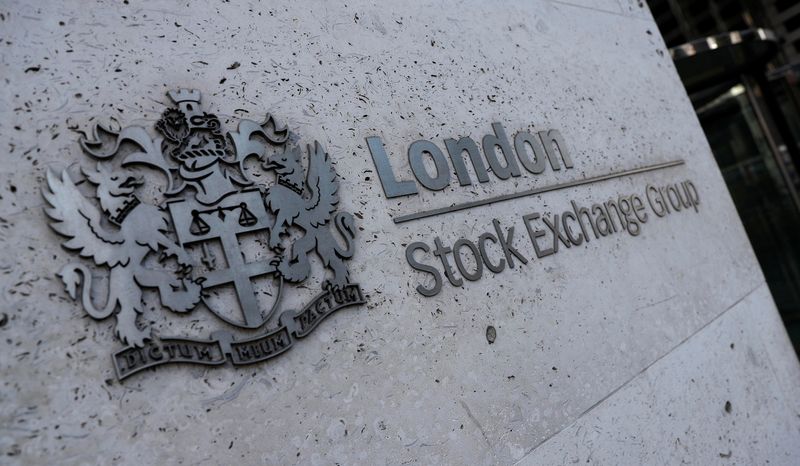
{"points": [[650, 349]]}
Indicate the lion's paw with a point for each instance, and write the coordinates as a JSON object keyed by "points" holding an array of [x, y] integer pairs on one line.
{"points": [[132, 336]]}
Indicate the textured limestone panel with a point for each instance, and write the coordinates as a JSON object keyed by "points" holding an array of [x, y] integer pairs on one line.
{"points": [[404, 378], [726, 396]]}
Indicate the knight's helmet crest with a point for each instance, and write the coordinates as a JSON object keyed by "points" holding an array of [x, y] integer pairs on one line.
{"points": [[187, 245]]}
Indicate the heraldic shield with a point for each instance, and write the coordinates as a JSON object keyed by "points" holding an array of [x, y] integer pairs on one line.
{"points": [[186, 244], [236, 213]]}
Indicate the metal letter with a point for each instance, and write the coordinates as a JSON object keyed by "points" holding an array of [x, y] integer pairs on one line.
{"points": [[415, 153], [655, 204], [460, 264], [441, 252], [507, 243], [456, 150], [482, 246], [535, 234], [536, 165], [500, 139], [391, 187], [691, 191], [554, 145], [437, 277], [577, 241]]}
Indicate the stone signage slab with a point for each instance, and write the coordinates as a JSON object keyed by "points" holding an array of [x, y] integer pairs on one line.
{"points": [[685, 387], [396, 232]]}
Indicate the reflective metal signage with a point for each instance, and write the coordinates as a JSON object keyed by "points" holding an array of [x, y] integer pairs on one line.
{"points": [[187, 244], [207, 198], [500, 246]]}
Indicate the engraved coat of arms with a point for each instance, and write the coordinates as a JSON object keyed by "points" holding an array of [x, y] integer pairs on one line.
{"points": [[183, 240]]}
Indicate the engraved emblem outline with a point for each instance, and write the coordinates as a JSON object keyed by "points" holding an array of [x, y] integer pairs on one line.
{"points": [[208, 197]]}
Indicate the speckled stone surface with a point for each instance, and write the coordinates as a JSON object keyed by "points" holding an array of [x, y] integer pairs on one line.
{"points": [[723, 397], [604, 352]]}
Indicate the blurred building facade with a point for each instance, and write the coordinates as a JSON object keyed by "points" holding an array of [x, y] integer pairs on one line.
{"points": [[740, 63], [682, 21]]}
